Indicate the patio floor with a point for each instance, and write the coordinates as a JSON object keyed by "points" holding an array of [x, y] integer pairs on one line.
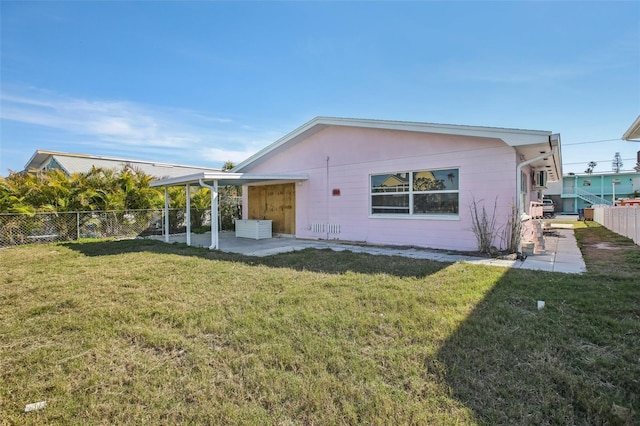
{"points": [[562, 253]]}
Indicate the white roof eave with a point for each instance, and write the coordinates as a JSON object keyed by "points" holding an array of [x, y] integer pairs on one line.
{"points": [[633, 133], [227, 178], [512, 137], [552, 164]]}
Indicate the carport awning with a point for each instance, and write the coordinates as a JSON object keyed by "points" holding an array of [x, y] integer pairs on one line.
{"points": [[217, 179], [228, 178]]}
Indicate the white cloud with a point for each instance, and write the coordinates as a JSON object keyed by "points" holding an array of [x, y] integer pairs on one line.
{"points": [[116, 125], [217, 154]]}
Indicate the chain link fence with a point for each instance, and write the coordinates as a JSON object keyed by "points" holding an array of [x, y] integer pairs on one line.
{"points": [[17, 229]]}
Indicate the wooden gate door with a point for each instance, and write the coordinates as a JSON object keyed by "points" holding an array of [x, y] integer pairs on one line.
{"points": [[276, 203]]}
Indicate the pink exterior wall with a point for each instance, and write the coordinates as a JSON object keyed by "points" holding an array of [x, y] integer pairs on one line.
{"points": [[344, 158]]}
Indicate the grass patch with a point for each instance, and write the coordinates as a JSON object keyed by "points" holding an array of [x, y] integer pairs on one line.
{"points": [[141, 332], [608, 255]]}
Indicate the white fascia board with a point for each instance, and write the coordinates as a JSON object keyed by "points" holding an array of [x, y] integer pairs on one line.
{"points": [[512, 137], [227, 177], [37, 159], [41, 155], [555, 139], [31, 160], [633, 133], [306, 129], [179, 180]]}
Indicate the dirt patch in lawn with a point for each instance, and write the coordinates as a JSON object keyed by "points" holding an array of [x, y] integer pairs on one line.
{"points": [[605, 246], [608, 253]]}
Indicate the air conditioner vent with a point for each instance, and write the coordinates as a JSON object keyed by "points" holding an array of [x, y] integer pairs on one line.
{"points": [[540, 179]]}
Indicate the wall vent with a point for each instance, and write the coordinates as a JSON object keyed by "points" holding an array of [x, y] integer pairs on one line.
{"points": [[328, 228]]}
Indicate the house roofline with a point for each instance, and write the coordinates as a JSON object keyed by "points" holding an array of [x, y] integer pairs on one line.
{"points": [[633, 133], [455, 129], [512, 137], [44, 154]]}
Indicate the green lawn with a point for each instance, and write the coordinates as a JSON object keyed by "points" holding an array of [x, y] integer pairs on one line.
{"points": [[141, 332]]}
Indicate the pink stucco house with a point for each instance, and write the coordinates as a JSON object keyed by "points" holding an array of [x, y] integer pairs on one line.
{"points": [[391, 182]]}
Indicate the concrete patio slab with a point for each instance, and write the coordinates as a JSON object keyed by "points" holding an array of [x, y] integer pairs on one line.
{"points": [[562, 253]]}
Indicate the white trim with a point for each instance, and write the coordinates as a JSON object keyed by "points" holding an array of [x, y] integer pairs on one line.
{"points": [[166, 214], [188, 202], [227, 178], [414, 216], [214, 213], [633, 133], [411, 193]]}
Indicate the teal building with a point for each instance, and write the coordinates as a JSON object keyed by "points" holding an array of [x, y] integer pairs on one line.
{"points": [[579, 191]]}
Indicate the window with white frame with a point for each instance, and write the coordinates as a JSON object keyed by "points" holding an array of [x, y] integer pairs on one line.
{"points": [[416, 193]]}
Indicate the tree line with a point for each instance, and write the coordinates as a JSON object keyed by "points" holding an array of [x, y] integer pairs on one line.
{"points": [[102, 189]]}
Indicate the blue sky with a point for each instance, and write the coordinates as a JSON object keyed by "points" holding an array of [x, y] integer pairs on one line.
{"points": [[205, 82]]}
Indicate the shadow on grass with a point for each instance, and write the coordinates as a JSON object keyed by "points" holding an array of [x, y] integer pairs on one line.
{"points": [[575, 361], [330, 261]]}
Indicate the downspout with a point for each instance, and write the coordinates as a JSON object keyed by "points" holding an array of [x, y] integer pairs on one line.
{"points": [[326, 201], [188, 188], [519, 167], [214, 213]]}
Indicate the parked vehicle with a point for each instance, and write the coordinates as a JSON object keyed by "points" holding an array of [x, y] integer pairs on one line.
{"points": [[548, 208]]}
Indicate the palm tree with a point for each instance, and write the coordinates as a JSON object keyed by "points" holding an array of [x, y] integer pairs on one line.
{"points": [[138, 194], [12, 194], [451, 177]]}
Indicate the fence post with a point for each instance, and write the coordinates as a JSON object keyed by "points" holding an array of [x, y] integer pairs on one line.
{"points": [[77, 226]]}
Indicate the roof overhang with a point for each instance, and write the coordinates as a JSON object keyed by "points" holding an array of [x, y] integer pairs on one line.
{"points": [[633, 133], [38, 159], [229, 178], [552, 164]]}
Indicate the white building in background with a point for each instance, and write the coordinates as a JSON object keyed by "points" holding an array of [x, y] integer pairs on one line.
{"points": [[81, 163]]}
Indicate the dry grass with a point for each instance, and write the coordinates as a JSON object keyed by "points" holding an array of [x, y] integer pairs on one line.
{"points": [[139, 332], [608, 254]]}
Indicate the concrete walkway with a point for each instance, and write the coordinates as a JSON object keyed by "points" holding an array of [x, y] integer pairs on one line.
{"points": [[562, 253]]}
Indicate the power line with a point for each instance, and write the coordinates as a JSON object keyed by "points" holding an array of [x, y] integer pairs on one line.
{"points": [[586, 142]]}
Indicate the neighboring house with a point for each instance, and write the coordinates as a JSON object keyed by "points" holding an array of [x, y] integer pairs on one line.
{"points": [[578, 191], [82, 163], [390, 182]]}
